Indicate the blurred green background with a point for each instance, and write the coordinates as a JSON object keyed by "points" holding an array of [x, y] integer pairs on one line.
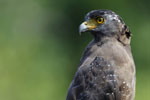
{"points": [[40, 47]]}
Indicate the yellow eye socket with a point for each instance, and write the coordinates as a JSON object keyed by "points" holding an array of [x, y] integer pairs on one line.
{"points": [[100, 20]]}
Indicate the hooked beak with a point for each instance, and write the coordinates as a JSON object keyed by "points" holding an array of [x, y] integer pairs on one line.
{"points": [[83, 28], [87, 26]]}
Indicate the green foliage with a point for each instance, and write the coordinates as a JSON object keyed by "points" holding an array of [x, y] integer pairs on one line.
{"points": [[40, 46]]}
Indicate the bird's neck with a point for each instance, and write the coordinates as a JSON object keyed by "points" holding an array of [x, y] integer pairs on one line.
{"points": [[100, 37]]}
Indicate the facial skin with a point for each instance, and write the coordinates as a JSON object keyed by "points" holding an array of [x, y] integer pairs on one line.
{"points": [[111, 25]]}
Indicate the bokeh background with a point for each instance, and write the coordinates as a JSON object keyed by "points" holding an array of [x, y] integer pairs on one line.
{"points": [[40, 47]]}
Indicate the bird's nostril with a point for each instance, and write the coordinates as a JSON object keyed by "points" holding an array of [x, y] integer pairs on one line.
{"points": [[85, 23]]}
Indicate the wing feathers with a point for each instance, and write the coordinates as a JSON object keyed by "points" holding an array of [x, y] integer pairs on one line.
{"points": [[94, 82]]}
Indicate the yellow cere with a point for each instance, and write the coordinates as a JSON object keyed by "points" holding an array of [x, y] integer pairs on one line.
{"points": [[94, 22], [91, 24]]}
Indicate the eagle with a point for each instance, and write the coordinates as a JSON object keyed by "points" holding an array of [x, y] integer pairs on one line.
{"points": [[106, 70]]}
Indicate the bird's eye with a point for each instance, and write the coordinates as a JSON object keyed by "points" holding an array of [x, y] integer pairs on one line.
{"points": [[100, 20]]}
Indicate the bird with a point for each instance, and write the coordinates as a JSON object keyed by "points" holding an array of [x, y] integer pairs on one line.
{"points": [[106, 70]]}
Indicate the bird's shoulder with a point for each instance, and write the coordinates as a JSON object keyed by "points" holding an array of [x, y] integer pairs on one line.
{"points": [[110, 49]]}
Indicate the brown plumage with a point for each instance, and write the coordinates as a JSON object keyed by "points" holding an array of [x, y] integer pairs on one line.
{"points": [[106, 70]]}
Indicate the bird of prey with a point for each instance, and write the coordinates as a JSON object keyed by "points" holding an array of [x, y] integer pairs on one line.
{"points": [[106, 70]]}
